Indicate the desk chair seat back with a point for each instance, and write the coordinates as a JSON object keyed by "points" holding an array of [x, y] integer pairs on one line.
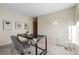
{"points": [[17, 44]]}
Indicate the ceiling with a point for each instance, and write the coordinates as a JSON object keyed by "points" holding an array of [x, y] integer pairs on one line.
{"points": [[35, 9]]}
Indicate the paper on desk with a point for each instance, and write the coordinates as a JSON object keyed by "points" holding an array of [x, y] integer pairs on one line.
{"points": [[34, 40]]}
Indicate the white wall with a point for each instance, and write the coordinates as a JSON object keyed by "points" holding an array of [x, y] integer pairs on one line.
{"points": [[12, 16], [77, 29], [59, 31]]}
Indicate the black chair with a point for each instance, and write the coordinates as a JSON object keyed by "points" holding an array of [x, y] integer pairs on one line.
{"points": [[21, 47]]}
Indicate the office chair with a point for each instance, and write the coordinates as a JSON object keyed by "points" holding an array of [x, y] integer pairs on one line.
{"points": [[20, 46]]}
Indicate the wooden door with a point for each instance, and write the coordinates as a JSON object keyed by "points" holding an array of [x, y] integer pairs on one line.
{"points": [[35, 27]]}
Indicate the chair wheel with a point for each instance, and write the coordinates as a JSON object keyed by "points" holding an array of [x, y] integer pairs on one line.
{"points": [[29, 52], [22, 53]]}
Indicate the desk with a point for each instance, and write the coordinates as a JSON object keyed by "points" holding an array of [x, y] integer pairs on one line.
{"points": [[38, 38]]}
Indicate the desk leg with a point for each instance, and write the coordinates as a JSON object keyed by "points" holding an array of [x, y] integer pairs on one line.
{"points": [[36, 50], [46, 44]]}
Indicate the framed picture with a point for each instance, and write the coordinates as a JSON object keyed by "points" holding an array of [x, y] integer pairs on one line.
{"points": [[1, 25], [26, 26], [18, 25], [7, 24]]}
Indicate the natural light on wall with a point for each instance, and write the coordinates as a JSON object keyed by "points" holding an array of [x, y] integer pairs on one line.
{"points": [[55, 22], [72, 34], [77, 32]]}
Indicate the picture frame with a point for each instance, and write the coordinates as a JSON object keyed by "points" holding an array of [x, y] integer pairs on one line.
{"points": [[26, 26], [1, 25], [7, 24], [18, 25]]}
